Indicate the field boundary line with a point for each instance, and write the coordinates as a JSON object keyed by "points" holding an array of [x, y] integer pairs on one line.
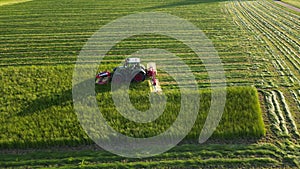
{"points": [[288, 6], [11, 2]]}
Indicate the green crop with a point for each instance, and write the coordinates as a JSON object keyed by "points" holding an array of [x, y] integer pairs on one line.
{"points": [[257, 42], [38, 113]]}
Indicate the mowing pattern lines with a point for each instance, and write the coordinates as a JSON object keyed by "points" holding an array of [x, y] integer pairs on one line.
{"points": [[288, 114], [277, 119], [36, 35], [280, 115], [281, 39], [191, 156], [296, 95], [281, 43], [278, 33]]}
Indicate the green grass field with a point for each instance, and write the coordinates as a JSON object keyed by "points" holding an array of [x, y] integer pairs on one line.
{"points": [[257, 42]]}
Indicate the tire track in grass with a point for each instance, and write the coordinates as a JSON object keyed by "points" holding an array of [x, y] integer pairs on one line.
{"points": [[283, 126]]}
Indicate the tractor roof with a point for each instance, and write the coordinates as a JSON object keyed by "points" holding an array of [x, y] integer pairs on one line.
{"points": [[133, 60]]}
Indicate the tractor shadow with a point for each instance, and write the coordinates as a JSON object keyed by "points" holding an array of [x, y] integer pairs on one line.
{"points": [[184, 3], [60, 99]]}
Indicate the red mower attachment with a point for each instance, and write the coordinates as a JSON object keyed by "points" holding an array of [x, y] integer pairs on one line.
{"points": [[153, 82], [103, 77]]}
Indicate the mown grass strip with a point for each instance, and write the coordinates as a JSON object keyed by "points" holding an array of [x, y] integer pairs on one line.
{"points": [[188, 155]]}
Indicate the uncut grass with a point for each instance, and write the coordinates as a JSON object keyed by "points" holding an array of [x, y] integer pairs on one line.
{"points": [[37, 113], [242, 116]]}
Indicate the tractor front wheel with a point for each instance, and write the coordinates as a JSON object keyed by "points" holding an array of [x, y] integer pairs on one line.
{"points": [[139, 77]]}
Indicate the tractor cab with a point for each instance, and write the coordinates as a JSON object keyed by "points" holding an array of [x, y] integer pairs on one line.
{"points": [[132, 70], [133, 63]]}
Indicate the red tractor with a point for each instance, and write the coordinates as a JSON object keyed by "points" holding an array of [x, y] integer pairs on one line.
{"points": [[132, 71]]}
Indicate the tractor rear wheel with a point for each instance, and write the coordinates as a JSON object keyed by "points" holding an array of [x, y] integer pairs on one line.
{"points": [[117, 78]]}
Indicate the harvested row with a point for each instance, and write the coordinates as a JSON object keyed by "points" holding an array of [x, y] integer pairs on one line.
{"points": [[253, 14], [288, 114], [282, 120], [277, 31], [239, 16], [286, 30], [226, 156], [250, 15], [288, 46], [275, 114], [296, 95], [274, 118], [293, 18], [281, 43]]}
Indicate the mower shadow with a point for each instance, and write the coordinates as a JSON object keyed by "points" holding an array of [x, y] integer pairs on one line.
{"points": [[59, 99], [185, 3]]}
